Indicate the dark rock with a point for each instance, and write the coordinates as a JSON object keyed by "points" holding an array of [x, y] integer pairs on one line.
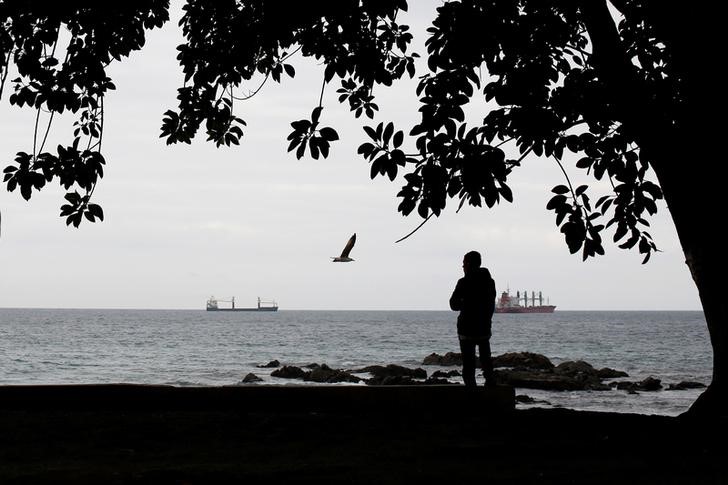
{"points": [[576, 369], [392, 381], [623, 385], [289, 372], [450, 358], [582, 372], [527, 360], [683, 385], [324, 373], [597, 386], [607, 373], [435, 380], [393, 370], [443, 374], [272, 363], [251, 378], [524, 399], [546, 380], [648, 384]]}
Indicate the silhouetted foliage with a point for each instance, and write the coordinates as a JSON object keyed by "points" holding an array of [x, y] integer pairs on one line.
{"points": [[614, 86], [60, 51], [536, 56]]}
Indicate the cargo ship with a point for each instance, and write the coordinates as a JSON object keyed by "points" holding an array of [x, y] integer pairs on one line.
{"points": [[520, 304], [263, 306]]}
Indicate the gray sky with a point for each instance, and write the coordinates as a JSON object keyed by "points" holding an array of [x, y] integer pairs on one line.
{"points": [[187, 222]]}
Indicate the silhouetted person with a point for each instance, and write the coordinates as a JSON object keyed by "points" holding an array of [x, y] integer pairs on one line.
{"points": [[474, 297]]}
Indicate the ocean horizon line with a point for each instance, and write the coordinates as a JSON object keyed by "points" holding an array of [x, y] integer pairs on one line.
{"points": [[337, 309]]}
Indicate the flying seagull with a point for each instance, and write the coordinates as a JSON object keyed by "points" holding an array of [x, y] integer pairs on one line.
{"points": [[344, 258]]}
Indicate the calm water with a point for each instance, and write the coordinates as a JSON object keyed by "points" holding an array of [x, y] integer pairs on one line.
{"points": [[190, 347]]}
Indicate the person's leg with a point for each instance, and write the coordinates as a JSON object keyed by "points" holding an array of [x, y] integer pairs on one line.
{"points": [[486, 363], [467, 349]]}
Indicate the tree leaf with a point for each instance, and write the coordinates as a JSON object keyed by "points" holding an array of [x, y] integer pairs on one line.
{"points": [[328, 134]]}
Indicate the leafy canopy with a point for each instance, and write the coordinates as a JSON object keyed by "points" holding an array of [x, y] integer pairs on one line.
{"points": [[60, 51], [533, 60]]}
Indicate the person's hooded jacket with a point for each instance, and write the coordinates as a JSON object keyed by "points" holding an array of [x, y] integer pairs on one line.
{"points": [[474, 298]]}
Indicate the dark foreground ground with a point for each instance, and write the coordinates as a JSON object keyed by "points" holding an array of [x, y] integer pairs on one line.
{"points": [[422, 434]]}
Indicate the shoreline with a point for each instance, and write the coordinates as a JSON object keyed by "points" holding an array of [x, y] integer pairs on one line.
{"points": [[612, 401], [323, 434], [252, 398]]}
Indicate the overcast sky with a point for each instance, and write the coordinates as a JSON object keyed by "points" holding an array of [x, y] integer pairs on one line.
{"points": [[187, 222]]}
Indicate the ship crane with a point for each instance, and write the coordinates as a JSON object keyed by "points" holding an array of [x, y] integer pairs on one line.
{"points": [[212, 303]]}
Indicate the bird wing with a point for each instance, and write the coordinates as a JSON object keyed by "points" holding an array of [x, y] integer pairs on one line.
{"points": [[349, 245]]}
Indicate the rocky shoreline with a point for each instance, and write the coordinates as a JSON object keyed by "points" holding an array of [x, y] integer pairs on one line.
{"points": [[521, 370]]}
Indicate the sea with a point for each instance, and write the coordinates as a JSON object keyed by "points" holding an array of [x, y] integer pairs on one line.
{"points": [[200, 348]]}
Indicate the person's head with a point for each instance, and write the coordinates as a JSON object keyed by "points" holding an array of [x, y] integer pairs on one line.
{"points": [[471, 261]]}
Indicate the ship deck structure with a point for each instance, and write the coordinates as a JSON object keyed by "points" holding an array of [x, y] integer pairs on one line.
{"points": [[508, 303], [263, 306]]}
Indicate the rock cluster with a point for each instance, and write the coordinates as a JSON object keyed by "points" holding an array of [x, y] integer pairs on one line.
{"points": [[391, 374], [683, 385], [318, 373], [324, 374], [536, 371], [450, 358], [289, 372], [526, 370], [446, 375], [393, 370]]}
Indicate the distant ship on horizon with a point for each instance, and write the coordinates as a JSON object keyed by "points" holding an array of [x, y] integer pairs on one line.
{"points": [[512, 304], [263, 306]]}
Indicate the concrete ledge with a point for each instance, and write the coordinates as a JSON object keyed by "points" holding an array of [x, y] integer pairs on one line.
{"points": [[258, 398]]}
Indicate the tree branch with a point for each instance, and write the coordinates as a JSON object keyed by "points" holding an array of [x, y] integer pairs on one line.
{"points": [[610, 59], [48, 129], [35, 132], [321, 98], [568, 180], [5, 67], [253, 93], [415, 229]]}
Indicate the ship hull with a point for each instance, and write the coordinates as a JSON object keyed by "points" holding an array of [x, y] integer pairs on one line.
{"points": [[527, 309], [242, 309]]}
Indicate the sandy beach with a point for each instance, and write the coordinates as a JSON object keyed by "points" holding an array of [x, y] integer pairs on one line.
{"points": [[335, 434]]}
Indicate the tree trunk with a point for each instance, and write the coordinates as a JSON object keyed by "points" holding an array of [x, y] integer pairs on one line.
{"points": [[705, 255], [683, 151], [684, 159], [703, 263], [691, 179]]}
